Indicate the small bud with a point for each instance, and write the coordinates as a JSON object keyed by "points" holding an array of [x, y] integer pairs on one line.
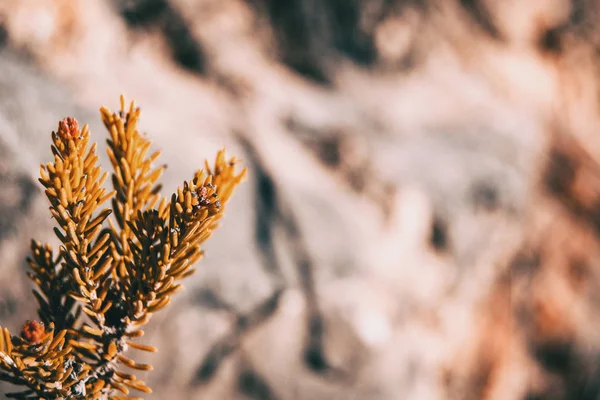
{"points": [[33, 332], [68, 128]]}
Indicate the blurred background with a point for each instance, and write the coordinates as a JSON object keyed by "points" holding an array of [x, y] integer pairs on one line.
{"points": [[422, 214]]}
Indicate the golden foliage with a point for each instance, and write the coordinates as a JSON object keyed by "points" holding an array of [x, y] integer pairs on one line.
{"points": [[115, 266]]}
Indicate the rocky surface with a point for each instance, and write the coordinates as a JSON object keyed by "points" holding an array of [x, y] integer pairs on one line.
{"points": [[421, 217]]}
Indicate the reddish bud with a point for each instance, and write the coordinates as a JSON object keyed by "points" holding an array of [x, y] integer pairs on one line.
{"points": [[68, 128], [33, 332]]}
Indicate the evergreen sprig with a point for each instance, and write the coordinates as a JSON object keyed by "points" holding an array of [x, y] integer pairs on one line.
{"points": [[115, 267]]}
